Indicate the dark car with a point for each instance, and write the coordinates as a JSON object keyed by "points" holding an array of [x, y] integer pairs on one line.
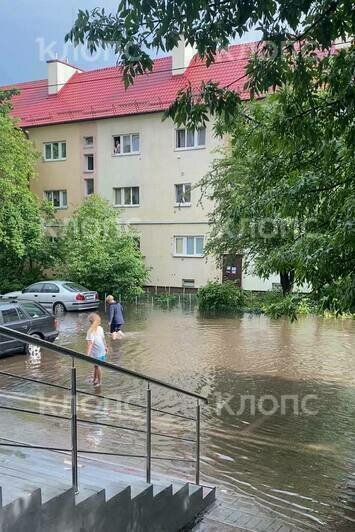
{"points": [[26, 317]]}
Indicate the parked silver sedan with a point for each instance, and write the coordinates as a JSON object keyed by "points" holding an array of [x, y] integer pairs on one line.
{"points": [[58, 296]]}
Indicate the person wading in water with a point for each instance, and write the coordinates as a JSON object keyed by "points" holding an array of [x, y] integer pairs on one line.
{"points": [[97, 347], [115, 315]]}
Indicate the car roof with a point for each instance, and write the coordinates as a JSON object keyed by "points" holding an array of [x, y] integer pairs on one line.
{"points": [[8, 302], [50, 281]]}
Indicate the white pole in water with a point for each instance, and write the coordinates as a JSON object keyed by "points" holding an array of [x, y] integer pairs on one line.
{"points": [[105, 300]]}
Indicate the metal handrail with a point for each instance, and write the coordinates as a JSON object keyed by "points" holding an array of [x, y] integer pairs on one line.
{"points": [[82, 392], [27, 339], [80, 356]]}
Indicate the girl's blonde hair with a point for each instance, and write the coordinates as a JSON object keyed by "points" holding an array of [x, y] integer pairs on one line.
{"points": [[109, 299], [95, 321]]}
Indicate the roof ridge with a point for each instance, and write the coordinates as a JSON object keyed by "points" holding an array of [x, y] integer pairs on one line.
{"points": [[113, 67], [100, 93], [119, 67]]}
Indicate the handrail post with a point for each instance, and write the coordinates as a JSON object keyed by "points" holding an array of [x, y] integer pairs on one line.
{"points": [[198, 440], [74, 429], [149, 435]]}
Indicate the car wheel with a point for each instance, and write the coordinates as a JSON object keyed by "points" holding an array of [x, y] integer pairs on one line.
{"points": [[32, 350], [59, 308]]}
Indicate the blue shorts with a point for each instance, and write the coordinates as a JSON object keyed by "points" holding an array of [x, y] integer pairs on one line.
{"points": [[101, 357]]}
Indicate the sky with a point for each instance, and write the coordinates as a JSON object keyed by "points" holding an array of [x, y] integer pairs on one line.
{"points": [[32, 31]]}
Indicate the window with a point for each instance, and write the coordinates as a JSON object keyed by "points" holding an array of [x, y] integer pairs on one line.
{"points": [[190, 139], [89, 187], [126, 196], [21, 314], [189, 246], [58, 198], [188, 283], [89, 163], [55, 151], [33, 289], [88, 142], [183, 194], [10, 315], [50, 288], [74, 287], [126, 144], [33, 310]]}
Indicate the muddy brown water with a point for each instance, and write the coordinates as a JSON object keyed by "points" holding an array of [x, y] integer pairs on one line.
{"points": [[280, 425]]}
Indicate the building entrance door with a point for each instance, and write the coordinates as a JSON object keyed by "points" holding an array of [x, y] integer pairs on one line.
{"points": [[232, 269]]}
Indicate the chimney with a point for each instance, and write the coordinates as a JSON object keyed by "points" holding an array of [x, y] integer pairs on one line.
{"points": [[59, 72], [182, 55]]}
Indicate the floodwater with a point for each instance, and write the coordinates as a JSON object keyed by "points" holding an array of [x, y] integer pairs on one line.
{"points": [[280, 424]]}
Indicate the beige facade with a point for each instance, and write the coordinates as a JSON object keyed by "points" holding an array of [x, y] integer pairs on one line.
{"points": [[156, 169], [67, 173], [165, 227]]}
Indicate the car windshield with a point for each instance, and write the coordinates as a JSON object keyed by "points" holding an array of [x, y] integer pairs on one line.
{"points": [[74, 287]]}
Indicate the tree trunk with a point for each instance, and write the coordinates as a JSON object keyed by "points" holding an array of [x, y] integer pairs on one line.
{"points": [[286, 280]]}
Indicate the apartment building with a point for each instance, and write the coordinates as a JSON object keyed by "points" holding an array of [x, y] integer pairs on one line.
{"points": [[96, 137]]}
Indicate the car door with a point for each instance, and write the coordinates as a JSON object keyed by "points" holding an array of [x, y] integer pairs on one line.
{"points": [[41, 320], [32, 293], [14, 318], [49, 295]]}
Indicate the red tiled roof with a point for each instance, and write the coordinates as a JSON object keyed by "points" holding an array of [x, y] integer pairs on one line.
{"points": [[101, 93]]}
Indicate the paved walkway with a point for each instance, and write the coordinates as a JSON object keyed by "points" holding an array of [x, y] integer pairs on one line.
{"points": [[242, 514]]}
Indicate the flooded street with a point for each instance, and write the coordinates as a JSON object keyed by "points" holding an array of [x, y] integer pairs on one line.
{"points": [[299, 461]]}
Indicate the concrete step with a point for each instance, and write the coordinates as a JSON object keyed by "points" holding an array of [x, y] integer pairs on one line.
{"points": [[117, 511], [38, 497], [89, 503], [23, 513], [209, 496], [141, 510], [58, 512]]}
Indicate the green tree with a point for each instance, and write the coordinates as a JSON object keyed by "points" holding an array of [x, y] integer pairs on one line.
{"points": [[24, 249], [291, 31], [313, 131], [100, 254], [287, 200]]}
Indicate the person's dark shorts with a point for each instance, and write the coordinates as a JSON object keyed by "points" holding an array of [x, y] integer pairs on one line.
{"points": [[115, 327]]}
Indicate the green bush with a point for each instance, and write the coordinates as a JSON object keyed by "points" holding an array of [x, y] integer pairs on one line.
{"points": [[165, 299], [216, 296], [101, 255], [256, 302], [291, 306]]}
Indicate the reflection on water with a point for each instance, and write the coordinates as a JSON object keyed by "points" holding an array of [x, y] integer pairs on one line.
{"points": [[301, 465]]}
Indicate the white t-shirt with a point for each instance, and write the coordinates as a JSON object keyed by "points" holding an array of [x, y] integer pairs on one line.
{"points": [[98, 338]]}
